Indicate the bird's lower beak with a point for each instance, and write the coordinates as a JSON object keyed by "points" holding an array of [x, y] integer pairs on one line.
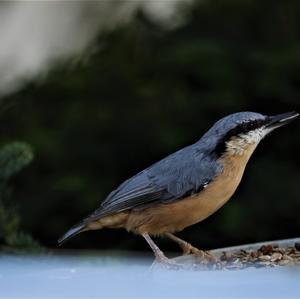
{"points": [[279, 120]]}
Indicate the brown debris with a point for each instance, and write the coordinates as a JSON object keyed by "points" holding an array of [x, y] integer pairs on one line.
{"points": [[265, 256]]}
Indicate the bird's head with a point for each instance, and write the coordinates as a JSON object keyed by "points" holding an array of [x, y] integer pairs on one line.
{"points": [[238, 132]]}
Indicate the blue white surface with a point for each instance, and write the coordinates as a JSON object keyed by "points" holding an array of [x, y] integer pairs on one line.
{"points": [[78, 276]]}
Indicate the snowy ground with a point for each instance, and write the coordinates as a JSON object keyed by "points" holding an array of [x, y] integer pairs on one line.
{"points": [[79, 276]]}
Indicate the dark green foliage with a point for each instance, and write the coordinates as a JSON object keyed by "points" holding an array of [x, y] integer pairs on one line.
{"points": [[148, 92], [9, 222], [13, 158], [20, 241]]}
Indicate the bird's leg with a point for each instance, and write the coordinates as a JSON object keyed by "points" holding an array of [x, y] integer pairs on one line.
{"points": [[189, 249], [159, 255]]}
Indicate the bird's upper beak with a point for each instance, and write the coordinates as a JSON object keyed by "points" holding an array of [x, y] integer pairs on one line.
{"points": [[279, 120]]}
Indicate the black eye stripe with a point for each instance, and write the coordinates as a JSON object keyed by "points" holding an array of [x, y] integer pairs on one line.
{"points": [[250, 125], [241, 128], [244, 128]]}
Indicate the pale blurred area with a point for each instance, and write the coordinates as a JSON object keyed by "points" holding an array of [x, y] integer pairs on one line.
{"points": [[97, 277], [35, 35]]}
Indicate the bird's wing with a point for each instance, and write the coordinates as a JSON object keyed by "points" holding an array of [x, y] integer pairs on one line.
{"points": [[178, 175]]}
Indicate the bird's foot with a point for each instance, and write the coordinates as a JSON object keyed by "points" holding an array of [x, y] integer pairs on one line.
{"points": [[208, 259], [205, 255], [166, 263], [202, 254]]}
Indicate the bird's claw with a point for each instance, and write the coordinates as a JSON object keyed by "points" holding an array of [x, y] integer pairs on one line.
{"points": [[167, 263], [202, 254], [205, 255], [189, 249]]}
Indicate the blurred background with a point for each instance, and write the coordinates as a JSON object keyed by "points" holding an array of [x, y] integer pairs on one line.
{"points": [[94, 92]]}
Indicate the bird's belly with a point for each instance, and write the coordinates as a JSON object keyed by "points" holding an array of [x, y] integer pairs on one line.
{"points": [[175, 216], [172, 217]]}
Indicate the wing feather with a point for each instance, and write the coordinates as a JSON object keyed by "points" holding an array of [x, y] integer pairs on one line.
{"points": [[182, 173]]}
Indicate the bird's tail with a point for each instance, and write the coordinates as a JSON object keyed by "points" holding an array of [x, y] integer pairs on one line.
{"points": [[71, 233]]}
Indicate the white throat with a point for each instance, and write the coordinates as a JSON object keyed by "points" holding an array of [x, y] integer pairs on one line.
{"points": [[238, 144]]}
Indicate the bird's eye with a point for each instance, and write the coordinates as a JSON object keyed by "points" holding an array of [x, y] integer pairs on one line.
{"points": [[251, 125]]}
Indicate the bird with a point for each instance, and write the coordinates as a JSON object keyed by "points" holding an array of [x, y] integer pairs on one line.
{"points": [[185, 187]]}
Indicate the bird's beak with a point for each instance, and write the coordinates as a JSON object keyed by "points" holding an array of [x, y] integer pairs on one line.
{"points": [[279, 120]]}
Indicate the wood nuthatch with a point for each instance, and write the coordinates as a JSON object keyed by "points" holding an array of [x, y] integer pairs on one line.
{"points": [[187, 186]]}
